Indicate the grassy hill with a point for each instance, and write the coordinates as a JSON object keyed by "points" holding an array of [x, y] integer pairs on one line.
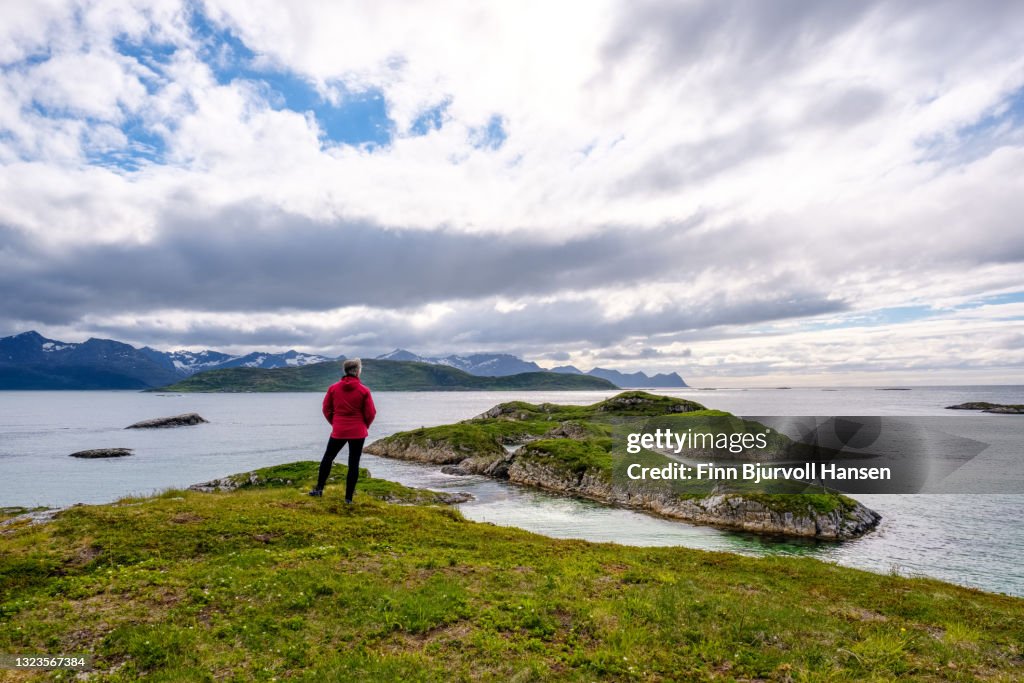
{"points": [[265, 583], [379, 375]]}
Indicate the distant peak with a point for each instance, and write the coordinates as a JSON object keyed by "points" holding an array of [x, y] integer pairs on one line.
{"points": [[399, 354]]}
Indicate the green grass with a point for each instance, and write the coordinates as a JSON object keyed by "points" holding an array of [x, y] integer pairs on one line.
{"points": [[623, 404], [518, 421], [592, 455], [638, 403], [264, 583], [475, 439], [379, 375], [796, 503]]}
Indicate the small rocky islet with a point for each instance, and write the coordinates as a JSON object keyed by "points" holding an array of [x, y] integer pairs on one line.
{"points": [[986, 407], [102, 453], [568, 450], [183, 420]]}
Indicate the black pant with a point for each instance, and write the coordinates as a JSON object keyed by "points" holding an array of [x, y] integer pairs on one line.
{"points": [[355, 449]]}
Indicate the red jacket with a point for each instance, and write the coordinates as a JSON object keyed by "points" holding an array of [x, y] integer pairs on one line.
{"points": [[349, 408]]}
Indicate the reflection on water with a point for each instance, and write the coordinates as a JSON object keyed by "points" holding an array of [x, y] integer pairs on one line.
{"points": [[969, 539]]}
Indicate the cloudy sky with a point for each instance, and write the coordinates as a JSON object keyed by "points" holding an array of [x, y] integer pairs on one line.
{"points": [[746, 192]]}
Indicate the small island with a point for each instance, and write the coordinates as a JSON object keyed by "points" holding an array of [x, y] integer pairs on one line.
{"points": [[102, 453], [568, 450], [185, 420], [986, 407]]}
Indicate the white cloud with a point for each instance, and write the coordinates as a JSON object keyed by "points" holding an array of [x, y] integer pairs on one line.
{"points": [[834, 139]]}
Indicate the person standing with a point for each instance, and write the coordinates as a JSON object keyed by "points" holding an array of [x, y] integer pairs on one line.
{"points": [[348, 406]]}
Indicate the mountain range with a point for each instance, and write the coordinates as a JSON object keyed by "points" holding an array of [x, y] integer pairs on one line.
{"points": [[627, 380], [31, 361], [381, 375], [500, 364], [484, 364]]}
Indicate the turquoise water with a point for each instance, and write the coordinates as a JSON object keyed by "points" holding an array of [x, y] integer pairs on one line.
{"points": [[975, 540]]}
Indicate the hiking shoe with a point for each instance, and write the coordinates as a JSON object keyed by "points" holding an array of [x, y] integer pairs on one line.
{"points": [[316, 493]]}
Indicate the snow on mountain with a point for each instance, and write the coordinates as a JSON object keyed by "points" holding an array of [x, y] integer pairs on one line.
{"points": [[191, 362], [261, 359], [402, 354], [31, 361]]}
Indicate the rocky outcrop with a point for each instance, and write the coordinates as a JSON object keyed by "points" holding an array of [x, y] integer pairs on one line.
{"points": [[446, 497], [228, 483], [429, 450], [727, 510], [102, 453], [987, 407], [514, 410], [730, 511], [569, 429], [849, 519], [30, 518], [1007, 410], [568, 450], [629, 401], [495, 466], [184, 420]]}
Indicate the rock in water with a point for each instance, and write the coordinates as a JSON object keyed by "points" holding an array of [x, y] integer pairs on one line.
{"points": [[103, 453], [173, 421], [987, 407]]}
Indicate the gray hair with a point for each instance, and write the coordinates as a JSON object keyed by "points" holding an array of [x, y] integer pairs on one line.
{"points": [[352, 367]]}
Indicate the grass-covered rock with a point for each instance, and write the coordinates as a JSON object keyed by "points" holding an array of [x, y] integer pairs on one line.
{"points": [[304, 475], [263, 583], [569, 449]]}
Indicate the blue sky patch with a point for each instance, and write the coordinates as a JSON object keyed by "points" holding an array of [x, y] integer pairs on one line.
{"points": [[897, 315], [1009, 113], [431, 118], [144, 147], [360, 117], [997, 300], [355, 117], [491, 136], [1001, 125]]}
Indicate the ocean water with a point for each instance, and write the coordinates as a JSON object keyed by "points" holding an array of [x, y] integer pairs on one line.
{"points": [[970, 539]]}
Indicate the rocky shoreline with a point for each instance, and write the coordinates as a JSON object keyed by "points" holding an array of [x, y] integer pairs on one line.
{"points": [[728, 510]]}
